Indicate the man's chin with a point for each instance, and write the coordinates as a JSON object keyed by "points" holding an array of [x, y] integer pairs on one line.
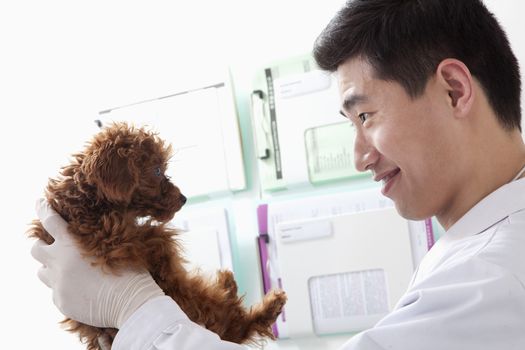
{"points": [[410, 213]]}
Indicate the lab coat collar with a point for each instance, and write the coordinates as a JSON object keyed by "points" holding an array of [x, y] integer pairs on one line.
{"points": [[495, 207]]}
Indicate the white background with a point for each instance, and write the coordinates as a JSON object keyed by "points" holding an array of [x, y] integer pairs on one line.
{"points": [[63, 61]]}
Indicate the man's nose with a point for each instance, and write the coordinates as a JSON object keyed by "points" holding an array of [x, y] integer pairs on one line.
{"points": [[365, 154]]}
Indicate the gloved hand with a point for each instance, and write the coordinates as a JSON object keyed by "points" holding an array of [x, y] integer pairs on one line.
{"points": [[84, 292]]}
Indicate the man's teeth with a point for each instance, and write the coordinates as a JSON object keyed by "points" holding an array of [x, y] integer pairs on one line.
{"points": [[388, 177]]}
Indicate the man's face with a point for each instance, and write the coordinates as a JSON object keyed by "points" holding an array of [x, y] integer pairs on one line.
{"points": [[407, 144]]}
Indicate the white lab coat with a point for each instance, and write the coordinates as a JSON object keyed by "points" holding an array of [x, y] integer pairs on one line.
{"points": [[468, 293]]}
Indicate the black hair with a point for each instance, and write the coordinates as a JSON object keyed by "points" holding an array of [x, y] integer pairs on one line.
{"points": [[405, 40]]}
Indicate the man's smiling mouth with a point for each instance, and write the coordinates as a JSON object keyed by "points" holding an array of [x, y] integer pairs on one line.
{"points": [[386, 179]]}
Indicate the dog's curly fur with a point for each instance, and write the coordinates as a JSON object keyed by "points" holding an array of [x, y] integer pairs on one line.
{"points": [[117, 202]]}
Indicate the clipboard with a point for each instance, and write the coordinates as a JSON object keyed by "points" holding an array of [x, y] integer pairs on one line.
{"points": [[198, 151], [368, 248], [290, 100], [318, 212]]}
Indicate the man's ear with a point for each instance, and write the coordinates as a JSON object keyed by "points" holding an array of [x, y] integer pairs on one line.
{"points": [[113, 172], [455, 77]]}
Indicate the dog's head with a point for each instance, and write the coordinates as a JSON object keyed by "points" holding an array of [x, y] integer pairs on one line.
{"points": [[126, 166]]}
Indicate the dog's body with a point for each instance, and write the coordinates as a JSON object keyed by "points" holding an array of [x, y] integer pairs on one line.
{"points": [[102, 194]]}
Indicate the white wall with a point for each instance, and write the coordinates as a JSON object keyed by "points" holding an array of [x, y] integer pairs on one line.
{"points": [[63, 61]]}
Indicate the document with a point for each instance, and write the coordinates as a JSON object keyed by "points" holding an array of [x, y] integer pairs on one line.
{"points": [[316, 103], [356, 298], [290, 100], [202, 127], [309, 220], [329, 153], [348, 280]]}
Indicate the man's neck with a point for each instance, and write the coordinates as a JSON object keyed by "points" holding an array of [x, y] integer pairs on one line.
{"points": [[497, 166], [521, 174]]}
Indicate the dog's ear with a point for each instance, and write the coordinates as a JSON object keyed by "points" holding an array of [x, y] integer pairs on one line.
{"points": [[112, 170]]}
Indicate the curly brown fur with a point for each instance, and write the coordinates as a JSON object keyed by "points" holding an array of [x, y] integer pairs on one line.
{"points": [[118, 179]]}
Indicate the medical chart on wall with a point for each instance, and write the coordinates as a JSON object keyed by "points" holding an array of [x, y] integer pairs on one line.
{"points": [[311, 219], [203, 129]]}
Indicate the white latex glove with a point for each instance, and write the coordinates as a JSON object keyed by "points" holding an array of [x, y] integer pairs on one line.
{"points": [[84, 292]]}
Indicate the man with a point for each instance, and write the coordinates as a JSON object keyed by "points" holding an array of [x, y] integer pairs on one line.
{"points": [[433, 90]]}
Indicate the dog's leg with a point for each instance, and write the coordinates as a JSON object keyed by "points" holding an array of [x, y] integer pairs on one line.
{"points": [[245, 326], [257, 322], [226, 280]]}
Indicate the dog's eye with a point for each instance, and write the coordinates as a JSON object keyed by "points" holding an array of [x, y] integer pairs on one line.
{"points": [[157, 172]]}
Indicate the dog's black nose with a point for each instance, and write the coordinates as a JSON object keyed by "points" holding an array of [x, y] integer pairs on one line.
{"points": [[183, 198]]}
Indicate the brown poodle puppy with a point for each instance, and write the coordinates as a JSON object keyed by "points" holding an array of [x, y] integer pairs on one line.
{"points": [[117, 201]]}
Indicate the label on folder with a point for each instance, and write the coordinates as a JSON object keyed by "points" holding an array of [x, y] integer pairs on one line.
{"points": [[302, 84], [304, 230]]}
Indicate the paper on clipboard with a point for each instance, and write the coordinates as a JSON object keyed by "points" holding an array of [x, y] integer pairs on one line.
{"points": [[313, 101], [356, 298], [370, 250], [203, 129], [290, 98], [329, 152], [318, 209]]}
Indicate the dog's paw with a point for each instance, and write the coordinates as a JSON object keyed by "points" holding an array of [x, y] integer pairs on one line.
{"points": [[274, 302], [265, 314]]}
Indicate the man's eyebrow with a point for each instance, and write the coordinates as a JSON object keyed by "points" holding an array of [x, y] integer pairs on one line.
{"points": [[351, 100]]}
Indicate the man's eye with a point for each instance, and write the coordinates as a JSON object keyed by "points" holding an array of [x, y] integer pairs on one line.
{"points": [[363, 117], [157, 172]]}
